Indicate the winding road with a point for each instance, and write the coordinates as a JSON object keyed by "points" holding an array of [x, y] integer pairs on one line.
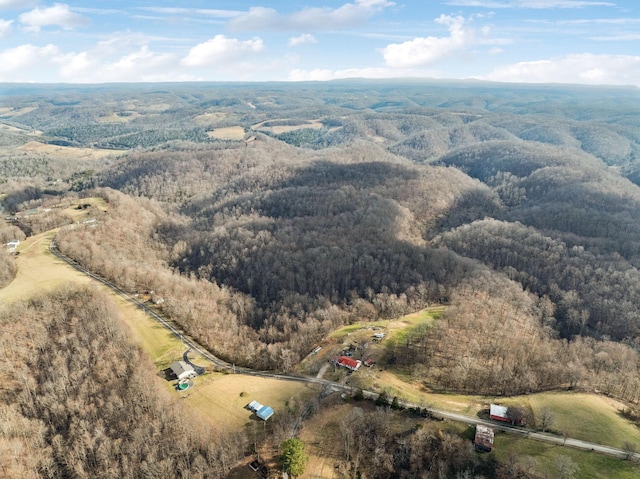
{"points": [[190, 344]]}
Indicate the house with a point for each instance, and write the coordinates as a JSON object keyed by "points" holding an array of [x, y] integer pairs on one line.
{"points": [[349, 363], [483, 441], [183, 370], [263, 412], [499, 413], [12, 245]]}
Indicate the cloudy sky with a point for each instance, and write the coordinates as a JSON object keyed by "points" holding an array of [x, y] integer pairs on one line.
{"points": [[88, 41]]}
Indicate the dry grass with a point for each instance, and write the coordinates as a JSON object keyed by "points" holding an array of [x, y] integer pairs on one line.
{"points": [[13, 129], [39, 271], [323, 442], [209, 118], [12, 112], [62, 152], [286, 128], [218, 397], [228, 133]]}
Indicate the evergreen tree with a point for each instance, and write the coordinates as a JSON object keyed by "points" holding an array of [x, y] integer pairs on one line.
{"points": [[293, 457]]}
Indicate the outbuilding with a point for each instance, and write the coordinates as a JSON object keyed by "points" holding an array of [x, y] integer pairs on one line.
{"points": [[483, 441], [12, 245], [183, 370], [263, 412], [499, 413]]}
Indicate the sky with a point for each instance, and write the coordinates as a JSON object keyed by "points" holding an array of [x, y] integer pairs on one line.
{"points": [[540, 41]]}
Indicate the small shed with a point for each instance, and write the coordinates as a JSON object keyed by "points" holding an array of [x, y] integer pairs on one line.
{"points": [[13, 245], [183, 370], [263, 412], [483, 441]]}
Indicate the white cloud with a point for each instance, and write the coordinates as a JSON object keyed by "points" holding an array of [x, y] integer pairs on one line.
{"points": [[5, 27], [141, 65], [221, 49], [310, 18], [533, 4], [58, 15], [427, 50], [320, 74], [193, 11], [19, 63], [17, 3], [578, 68], [304, 38]]}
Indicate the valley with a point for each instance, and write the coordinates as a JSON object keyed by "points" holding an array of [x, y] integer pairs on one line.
{"points": [[464, 254]]}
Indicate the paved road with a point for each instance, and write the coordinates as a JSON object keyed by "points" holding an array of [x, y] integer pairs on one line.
{"points": [[330, 385]]}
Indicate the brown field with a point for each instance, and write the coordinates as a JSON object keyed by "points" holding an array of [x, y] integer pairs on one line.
{"points": [[285, 128], [11, 112], [227, 133], [65, 151], [217, 397], [39, 271], [209, 118], [321, 436], [13, 129]]}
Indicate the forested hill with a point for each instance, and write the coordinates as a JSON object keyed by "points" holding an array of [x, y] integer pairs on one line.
{"points": [[300, 207]]}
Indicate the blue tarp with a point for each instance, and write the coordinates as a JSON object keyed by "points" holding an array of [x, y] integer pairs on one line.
{"points": [[264, 413]]}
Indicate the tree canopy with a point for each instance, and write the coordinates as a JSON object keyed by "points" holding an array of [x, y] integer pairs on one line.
{"points": [[294, 459]]}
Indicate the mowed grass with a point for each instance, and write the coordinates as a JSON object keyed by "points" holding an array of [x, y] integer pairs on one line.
{"points": [[392, 326], [589, 465], [57, 151], [588, 417], [221, 398], [39, 271], [227, 133]]}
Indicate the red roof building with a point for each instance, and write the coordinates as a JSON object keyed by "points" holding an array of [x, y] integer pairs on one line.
{"points": [[349, 363]]}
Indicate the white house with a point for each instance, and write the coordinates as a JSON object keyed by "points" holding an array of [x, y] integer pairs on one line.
{"points": [[183, 370]]}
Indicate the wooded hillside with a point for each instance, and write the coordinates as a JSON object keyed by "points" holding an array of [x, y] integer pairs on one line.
{"points": [[349, 201]]}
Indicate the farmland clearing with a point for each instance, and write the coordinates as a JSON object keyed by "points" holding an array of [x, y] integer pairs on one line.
{"points": [[62, 152], [227, 133]]}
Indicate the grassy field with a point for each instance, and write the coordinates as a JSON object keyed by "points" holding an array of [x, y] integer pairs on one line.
{"points": [[62, 152], [588, 417], [221, 398], [227, 133], [543, 459], [277, 129], [39, 271], [392, 326]]}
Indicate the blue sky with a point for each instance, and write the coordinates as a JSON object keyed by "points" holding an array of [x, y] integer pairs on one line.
{"points": [[82, 41]]}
